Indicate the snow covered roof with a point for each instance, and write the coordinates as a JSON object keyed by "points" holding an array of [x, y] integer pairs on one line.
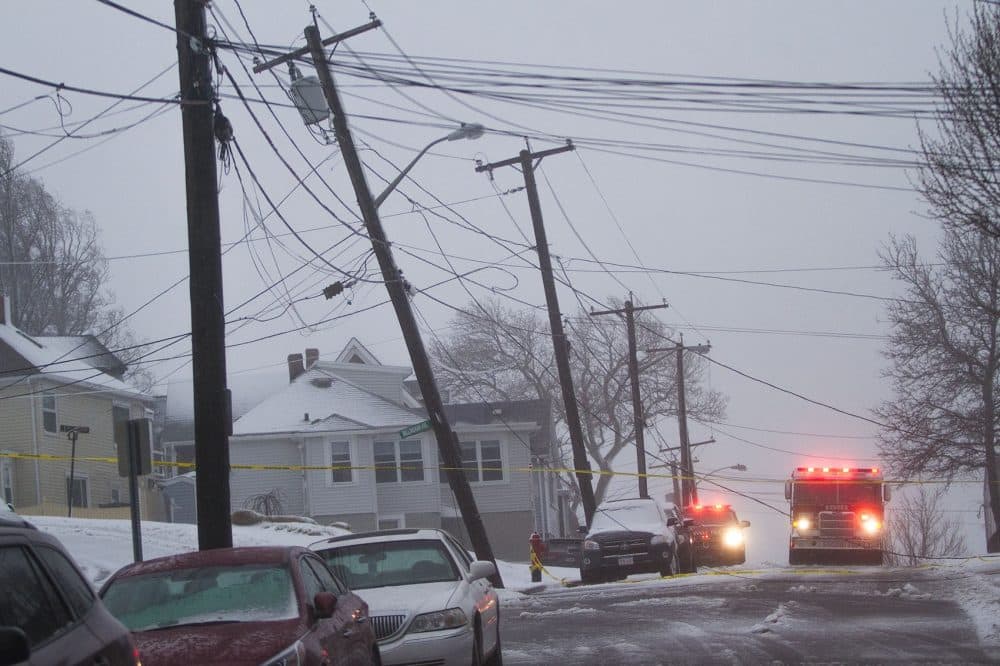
{"points": [[78, 360], [320, 401]]}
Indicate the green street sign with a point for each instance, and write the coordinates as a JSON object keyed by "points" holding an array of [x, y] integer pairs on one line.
{"points": [[415, 429]]}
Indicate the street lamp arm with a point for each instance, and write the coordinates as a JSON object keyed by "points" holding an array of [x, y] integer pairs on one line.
{"points": [[466, 131], [402, 174]]}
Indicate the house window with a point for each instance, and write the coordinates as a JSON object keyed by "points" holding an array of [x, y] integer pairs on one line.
{"points": [[482, 461], [399, 461], [340, 456], [390, 522], [116, 496], [49, 411], [78, 493]]}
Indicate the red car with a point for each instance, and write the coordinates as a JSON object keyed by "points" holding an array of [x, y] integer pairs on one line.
{"points": [[275, 606]]}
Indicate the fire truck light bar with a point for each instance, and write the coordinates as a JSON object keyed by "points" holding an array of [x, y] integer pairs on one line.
{"points": [[838, 470]]}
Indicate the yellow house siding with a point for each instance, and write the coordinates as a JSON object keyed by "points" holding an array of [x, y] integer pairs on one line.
{"points": [[15, 437], [77, 406]]}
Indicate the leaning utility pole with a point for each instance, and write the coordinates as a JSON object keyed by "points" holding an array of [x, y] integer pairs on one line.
{"points": [[638, 420], [446, 439], [689, 490], [581, 464], [212, 422]]}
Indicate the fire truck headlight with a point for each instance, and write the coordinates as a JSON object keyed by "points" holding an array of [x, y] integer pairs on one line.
{"points": [[732, 537], [871, 526], [802, 523]]}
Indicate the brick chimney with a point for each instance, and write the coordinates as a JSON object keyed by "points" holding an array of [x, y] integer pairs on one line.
{"points": [[295, 367], [312, 355]]}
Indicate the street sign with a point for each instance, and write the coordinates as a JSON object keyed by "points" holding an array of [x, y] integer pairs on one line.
{"points": [[415, 429]]}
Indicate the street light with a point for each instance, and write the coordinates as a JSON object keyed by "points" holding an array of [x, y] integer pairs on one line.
{"points": [[739, 467], [72, 432], [466, 131]]}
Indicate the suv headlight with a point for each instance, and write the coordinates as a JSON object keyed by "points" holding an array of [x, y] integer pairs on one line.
{"points": [[732, 537], [438, 620], [658, 540], [591, 545], [292, 656]]}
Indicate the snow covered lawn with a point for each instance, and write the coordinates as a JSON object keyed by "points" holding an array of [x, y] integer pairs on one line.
{"points": [[101, 547]]}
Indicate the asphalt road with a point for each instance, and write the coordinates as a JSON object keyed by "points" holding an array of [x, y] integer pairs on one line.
{"points": [[866, 614]]}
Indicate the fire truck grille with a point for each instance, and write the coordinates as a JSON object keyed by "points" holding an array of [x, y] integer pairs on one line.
{"points": [[386, 625], [836, 523]]}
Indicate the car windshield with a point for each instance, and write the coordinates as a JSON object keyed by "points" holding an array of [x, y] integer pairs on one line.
{"points": [[246, 593], [636, 516], [388, 563]]}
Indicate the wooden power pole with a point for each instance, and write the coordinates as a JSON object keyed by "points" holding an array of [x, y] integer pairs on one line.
{"points": [[212, 422], [446, 439], [638, 420], [581, 464], [689, 490]]}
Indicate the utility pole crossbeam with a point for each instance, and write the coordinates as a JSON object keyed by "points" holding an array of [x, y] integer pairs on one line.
{"points": [[446, 438], [689, 490], [581, 463], [638, 420], [212, 423]]}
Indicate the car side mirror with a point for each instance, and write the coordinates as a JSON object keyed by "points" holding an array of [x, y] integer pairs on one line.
{"points": [[324, 603], [744, 524], [672, 522], [481, 569], [582, 530], [14, 646], [887, 493]]}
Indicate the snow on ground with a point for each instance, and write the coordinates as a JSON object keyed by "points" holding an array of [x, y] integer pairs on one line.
{"points": [[101, 547]]}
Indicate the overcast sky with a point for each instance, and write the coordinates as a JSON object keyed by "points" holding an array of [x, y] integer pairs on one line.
{"points": [[681, 210]]}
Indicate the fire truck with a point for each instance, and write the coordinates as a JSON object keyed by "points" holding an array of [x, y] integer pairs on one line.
{"points": [[838, 515]]}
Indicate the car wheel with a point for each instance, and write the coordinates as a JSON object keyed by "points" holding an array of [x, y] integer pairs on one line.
{"points": [[589, 577], [794, 557]]}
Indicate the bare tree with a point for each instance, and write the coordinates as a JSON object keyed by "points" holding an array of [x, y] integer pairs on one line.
{"points": [[944, 360], [54, 268], [959, 177], [918, 528], [496, 353]]}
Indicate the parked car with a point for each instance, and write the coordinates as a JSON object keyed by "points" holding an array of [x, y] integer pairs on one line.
{"points": [[431, 603], [268, 605], [629, 536], [49, 613], [687, 557], [717, 535]]}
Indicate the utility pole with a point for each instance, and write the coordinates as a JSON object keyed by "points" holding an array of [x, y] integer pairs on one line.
{"points": [[689, 491], [394, 284], [638, 420], [212, 414], [580, 461]]}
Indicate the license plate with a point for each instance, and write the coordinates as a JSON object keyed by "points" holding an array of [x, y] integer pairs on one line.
{"points": [[625, 561]]}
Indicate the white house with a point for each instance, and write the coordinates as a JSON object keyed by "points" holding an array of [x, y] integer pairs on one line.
{"points": [[329, 442]]}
